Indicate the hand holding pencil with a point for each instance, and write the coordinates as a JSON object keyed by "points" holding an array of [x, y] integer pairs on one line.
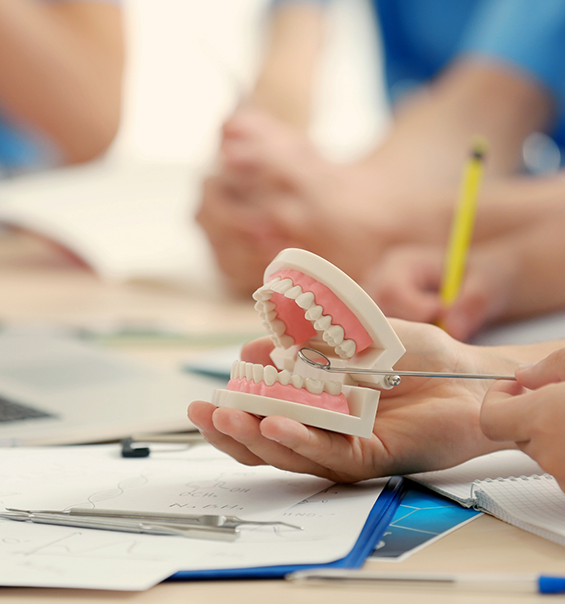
{"points": [[425, 283]]}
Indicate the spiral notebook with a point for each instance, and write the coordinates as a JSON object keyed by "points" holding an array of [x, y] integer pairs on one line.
{"points": [[508, 485], [533, 503]]}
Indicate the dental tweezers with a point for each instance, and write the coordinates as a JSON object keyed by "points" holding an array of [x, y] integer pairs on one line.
{"points": [[126, 525], [200, 526], [393, 377]]}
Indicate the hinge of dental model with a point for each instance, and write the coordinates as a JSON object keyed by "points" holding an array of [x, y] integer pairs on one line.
{"points": [[392, 378]]}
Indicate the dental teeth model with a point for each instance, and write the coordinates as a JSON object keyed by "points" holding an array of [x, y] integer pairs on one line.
{"points": [[307, 302]]}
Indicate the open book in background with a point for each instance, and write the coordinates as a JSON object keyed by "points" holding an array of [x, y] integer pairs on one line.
{"points": [[126, 221], [508, 485]]}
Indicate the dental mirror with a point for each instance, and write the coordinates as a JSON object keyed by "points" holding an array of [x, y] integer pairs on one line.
{"points": [[315, 358]]}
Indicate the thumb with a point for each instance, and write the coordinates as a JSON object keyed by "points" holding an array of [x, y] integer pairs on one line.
{"points": [[258, 351], [483, 297], [468, 314]]}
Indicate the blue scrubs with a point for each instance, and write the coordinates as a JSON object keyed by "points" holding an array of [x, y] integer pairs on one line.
{"points": [[420, 37], [22, 150]]}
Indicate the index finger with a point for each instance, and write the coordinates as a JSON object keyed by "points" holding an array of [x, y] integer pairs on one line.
{"points": [[547, 371], [258, 351]]}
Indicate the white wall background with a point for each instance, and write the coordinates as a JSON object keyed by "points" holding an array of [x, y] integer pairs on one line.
{"points": [[187, 58]]}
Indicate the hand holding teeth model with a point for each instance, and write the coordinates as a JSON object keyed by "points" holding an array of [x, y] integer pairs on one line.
{"points": [[308, 302]]}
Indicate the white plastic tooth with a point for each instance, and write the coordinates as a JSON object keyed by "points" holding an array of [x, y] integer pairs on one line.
{"points": [[270, 375], [297, 380], [340, 352], [234, 370], [241, 369], [293, 292], [282, 286], [284, 377], [314, 313], [287, 341], [348, 347], [336, 333], [332, 387], [269, 306], [314, 386], [259, 294], [263, 293], [277, 327], [328, 339], [271, 315], [275, 340], [259, 306], [248, 371], [305, 300], [323, 323], [272, 283], [257, 373]]}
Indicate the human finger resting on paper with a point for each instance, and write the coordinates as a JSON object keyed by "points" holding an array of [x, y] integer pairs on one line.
{"points": [[533, 419]]}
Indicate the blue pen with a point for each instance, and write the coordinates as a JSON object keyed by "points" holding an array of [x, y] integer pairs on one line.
{"points": [[542, 584]]}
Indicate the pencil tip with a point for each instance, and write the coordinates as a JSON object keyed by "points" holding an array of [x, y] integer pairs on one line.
{"points": [[479, 147]]}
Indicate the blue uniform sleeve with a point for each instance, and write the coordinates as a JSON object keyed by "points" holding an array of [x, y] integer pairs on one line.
{"points": [[525, 34]]}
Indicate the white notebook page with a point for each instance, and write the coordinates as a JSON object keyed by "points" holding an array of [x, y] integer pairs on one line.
{"points": [[456, 482], [533, 503]]}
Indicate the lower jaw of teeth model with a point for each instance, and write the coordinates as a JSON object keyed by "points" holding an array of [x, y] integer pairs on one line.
{"points": [[308, 302]]}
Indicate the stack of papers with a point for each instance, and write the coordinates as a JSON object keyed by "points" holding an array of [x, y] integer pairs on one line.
{"points": [[199, 480]]}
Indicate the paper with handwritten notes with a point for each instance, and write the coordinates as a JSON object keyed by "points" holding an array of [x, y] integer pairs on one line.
{"points": [[196, 480]]}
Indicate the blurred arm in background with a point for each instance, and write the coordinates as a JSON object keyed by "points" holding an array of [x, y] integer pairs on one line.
{"points": [[61, 65]]}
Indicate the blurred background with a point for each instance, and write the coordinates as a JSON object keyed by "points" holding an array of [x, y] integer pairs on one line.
{"points": [[188, 62]]}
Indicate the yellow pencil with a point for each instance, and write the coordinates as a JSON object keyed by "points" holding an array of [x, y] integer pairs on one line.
{"points": [[462, 227]]}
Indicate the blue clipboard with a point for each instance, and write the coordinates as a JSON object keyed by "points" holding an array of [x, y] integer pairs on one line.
{"points": [[377, 522]]}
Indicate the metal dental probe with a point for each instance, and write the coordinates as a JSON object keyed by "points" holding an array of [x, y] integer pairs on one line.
{"points": [[393, 377]]}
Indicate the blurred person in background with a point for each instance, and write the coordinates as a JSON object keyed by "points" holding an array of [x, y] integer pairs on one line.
{"points": [[452, 70], [61, 65]]}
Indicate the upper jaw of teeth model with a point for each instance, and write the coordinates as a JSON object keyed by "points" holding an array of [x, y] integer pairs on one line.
{"points": [[308, 302]]}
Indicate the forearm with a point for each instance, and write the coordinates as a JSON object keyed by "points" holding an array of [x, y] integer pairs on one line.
{"points": [[295, 38], [60, 71], [431, 134], [512, 203], [538, 256]]}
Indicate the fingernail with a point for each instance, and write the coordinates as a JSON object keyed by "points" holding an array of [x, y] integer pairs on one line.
{"points": [[524, 367], [271, 438]]}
